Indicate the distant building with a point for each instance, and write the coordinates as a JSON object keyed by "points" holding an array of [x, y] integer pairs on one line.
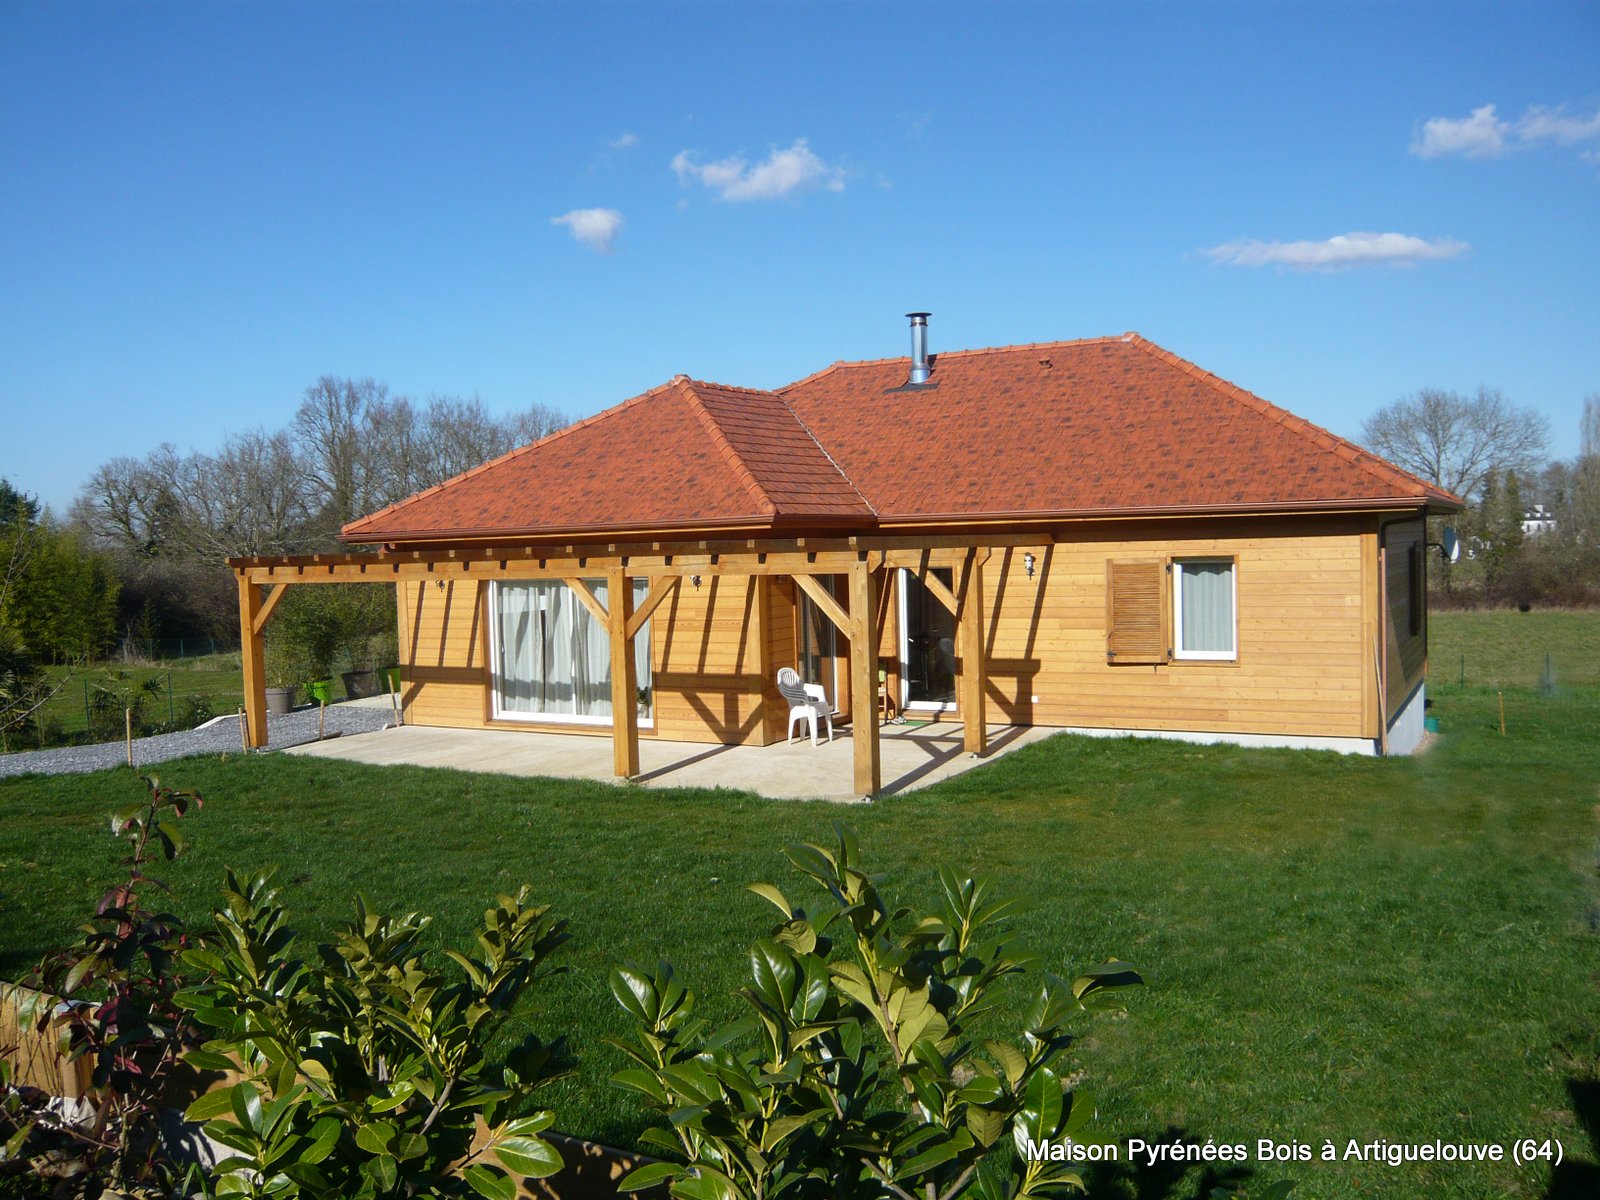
{"points": [[1537, 520]]}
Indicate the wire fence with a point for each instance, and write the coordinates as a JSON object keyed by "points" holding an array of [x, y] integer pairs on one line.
{"points": [[134, 649]]}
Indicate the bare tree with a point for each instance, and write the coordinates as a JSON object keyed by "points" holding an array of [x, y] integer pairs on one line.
{"points": [[1455, 441], [246, 499], [130, 504], [332, 427], [531, 424]]}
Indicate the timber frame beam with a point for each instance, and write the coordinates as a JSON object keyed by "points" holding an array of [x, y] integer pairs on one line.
{"points": [[863, 561]]}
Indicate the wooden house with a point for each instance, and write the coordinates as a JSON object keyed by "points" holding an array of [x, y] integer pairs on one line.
{"points": [[1094, 535]]}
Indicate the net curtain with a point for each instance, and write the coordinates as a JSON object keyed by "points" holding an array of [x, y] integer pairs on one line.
{"points": [[554, 657]]}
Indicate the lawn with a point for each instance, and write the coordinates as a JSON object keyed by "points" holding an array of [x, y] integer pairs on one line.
{"points": [[216, 679], [1504, 648], [1335, 948]]}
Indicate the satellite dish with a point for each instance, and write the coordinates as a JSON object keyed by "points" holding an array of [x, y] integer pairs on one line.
{"points": [[1450, 547]]}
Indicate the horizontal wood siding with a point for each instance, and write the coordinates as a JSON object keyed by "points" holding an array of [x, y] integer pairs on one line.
{"points": [[1407, 653], [1306, 624], [783, 650], [443, 649], [710, 662], [1300, 664]]}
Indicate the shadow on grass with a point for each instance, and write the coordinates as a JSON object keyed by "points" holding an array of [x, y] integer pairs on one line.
{"points": [[1579, 1178], [1164, 1180]]}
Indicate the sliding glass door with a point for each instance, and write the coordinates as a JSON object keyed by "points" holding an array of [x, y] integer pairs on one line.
{"points": [[927, 644], [552, 659]]}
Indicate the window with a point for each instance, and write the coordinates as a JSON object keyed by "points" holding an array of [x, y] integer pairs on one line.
{"points": [[1204, 625], [552, 658]]}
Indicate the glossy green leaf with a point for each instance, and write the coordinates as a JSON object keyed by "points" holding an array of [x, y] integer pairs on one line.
{"points": [[489, 1183], [530, 1157]]}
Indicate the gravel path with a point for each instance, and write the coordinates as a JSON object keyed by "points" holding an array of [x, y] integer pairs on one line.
{"points": [[290, 729]]}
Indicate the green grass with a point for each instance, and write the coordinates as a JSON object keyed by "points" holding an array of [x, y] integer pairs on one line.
{"points": [[217, 678], [1335, 947], [1505, 648]]}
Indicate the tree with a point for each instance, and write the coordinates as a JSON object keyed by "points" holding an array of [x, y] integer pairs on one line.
{"points": [[1455, 441]]}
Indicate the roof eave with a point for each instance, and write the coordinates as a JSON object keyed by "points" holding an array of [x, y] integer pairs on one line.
{"points": [[776, 523]]}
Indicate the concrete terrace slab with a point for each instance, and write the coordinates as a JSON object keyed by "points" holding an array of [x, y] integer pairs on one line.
{"points": [[913, 756]]}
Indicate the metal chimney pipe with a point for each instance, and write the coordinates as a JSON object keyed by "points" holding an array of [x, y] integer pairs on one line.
{"points": [[919, 346]]}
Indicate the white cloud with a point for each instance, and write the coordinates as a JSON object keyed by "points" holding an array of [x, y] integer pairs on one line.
{"points": [[784, 173], [626, 142], [596, 228], [1484, 135], [1541, 124], [1345, 250]]}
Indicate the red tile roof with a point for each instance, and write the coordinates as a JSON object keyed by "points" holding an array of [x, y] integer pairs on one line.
{"points": [[1100, 426]]}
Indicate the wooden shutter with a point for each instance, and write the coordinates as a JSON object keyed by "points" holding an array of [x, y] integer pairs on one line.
{"points": [[1136, 612]]}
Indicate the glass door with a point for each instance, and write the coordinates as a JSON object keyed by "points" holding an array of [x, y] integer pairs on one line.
{"points": [[927, 645], [818, 647]]}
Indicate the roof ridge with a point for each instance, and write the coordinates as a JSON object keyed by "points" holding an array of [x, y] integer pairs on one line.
{"points": [[1355, 455], [719, 439], [832, 462], [938, 354], [517, 452]]}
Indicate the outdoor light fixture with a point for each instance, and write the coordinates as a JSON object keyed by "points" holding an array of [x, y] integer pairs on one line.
{"points": [[1027, 564], [695, 579], [440, 582]]}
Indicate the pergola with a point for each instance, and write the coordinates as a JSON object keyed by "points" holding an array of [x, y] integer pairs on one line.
{"points": [[862, 560]]}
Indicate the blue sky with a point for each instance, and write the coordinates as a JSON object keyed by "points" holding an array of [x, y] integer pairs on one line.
{"points": [[204, 208]]}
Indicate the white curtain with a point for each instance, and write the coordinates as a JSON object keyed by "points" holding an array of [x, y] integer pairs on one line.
{"points": [[1207, 597], [555, 658]]}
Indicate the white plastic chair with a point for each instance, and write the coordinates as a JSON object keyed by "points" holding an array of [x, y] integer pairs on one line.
{"points": [[807, 702]]}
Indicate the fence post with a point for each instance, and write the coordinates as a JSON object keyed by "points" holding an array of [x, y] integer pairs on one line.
{"points": [[86, 721], [170, 717], [1463, 670]]}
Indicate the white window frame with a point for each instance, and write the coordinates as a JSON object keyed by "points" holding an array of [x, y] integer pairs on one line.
{"points": [[498, 713], [1178, 649]]}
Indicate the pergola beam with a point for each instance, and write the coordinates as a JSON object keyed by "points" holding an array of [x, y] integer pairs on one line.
{"points": [[819, 595], [265, 614], [660, 588], [624, 678], [590, 600], [970, 678], [253, 656], [864, 682]]}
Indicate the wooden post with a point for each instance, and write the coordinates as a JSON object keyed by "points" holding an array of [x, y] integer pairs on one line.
{"points": [[864, 682], [127, 716], [969, 647], [252, 650], [1502, 696], [624, 682]]}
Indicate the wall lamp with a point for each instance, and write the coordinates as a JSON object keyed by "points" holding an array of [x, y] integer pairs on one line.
{"points": [[1027, 564], [695, 579]]}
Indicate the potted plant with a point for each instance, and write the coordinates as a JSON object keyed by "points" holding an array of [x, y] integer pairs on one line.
{"points": [[321, 691], [367, 636], [285, 669]]}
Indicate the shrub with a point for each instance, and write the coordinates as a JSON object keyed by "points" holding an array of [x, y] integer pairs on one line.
{"points": [[858, 1071], [120, 984], [364, 1071]]}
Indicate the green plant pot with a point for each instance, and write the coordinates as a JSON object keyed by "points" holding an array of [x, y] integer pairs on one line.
{"points": [[391, 678], [1431, 724], [321, 691]]}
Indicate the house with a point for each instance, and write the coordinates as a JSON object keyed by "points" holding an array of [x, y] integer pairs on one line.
{"points": [[1094, 535], [1537, 520]]}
